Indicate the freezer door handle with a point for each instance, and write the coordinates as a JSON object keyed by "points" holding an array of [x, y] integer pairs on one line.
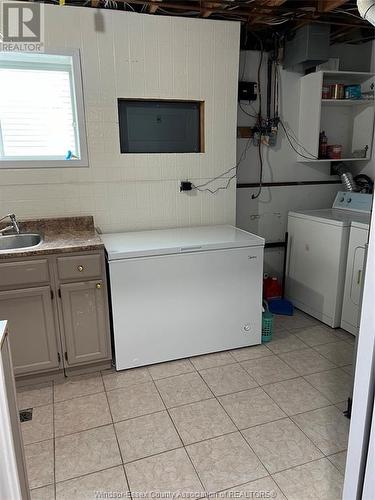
{"points": [[191, 249]]}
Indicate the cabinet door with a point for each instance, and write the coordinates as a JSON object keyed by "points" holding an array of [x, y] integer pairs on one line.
{"points": [[85, 321], [32, 325]]}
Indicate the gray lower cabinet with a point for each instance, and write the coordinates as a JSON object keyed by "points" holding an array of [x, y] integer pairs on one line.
{"points": [[57, 311], [84, 314], [31, 320]]}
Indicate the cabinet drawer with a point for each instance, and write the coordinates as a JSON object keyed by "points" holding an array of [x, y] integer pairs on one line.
{"points": [[23, 273], [79, 267]]}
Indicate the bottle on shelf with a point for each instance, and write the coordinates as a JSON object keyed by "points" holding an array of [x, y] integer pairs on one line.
{"points": [[323, 140]]}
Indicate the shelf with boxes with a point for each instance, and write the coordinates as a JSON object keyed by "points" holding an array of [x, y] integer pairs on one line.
{"points": [[336, 116]]}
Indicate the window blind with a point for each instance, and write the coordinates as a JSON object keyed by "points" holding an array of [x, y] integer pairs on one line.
{"points": [[37, 119]]}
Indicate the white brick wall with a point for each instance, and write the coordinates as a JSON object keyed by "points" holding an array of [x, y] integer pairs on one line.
{"points": [[139, 56]]}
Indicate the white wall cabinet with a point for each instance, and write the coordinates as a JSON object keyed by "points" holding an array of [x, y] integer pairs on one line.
{"points": [[348, 122]]}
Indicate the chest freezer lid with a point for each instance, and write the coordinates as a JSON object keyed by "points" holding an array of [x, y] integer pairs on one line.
{"points": [[176, 241]]}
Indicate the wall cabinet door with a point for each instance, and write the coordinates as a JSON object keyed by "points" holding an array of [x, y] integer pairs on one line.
{"points": [[31, 322], [85, 321]]}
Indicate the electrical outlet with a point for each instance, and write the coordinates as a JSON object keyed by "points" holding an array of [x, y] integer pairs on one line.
{"points": [[186, 186]]}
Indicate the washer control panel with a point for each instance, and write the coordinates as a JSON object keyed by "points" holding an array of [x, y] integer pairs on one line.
{"points": [[357, 202]]}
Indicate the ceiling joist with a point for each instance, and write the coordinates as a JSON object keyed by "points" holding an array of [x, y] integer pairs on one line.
{"points": [[265, 17], [153, 8], [329, 5]]}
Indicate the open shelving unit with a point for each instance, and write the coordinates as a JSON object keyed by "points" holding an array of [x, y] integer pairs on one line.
{"points": [[349, 122]]}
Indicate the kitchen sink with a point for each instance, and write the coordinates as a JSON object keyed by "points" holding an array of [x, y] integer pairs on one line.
{"points": [[16, 241]]}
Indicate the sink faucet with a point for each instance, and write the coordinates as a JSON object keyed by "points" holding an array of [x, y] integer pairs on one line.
{"points": [[14, 224]]}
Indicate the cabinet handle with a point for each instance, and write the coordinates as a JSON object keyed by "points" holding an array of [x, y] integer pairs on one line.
{"points": [[80, 268], [98, 285]]}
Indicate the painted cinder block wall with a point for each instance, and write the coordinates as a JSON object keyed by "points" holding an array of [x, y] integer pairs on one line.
{"points": [[138, 56]]}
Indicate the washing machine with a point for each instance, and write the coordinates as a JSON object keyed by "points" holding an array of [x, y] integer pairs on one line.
{"points": [[317, 253]]}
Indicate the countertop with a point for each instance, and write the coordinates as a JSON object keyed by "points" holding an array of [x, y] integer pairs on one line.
{"points": [[60, 235]]}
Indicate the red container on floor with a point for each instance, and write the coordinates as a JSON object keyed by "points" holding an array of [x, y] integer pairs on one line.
{"points": [[272, 288]]}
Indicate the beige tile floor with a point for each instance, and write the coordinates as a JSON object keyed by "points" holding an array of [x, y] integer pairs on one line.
{"points": [[263, 421]]}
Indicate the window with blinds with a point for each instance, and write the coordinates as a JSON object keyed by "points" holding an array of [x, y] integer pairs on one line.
{"points": [[40, 104]]}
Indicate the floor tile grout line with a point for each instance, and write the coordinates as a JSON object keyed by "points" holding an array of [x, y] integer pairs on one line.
{"points": [[299, 465], [265, 423], [286, 416], [301, 413], [317, 446], [337, 337], [154, 454], [291, 468], [238, 430], [327, 456], [338, 341], [320, 391], [308, 438], [218, 366], [303, 377], [87, 474], [116, 437], [306, 374], [80, 396], [239, 485], [170, 376], [233, 362], [257, 357], [184, 447]]}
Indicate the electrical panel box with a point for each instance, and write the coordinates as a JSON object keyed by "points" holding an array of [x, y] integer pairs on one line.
{"points": [[247, 91]]}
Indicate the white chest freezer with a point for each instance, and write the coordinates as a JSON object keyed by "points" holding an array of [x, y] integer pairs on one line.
{"points": [[182, 292]]}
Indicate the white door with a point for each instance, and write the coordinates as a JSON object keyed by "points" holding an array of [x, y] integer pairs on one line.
{"points": [[175, 306], [368, 492], [356, 481]]}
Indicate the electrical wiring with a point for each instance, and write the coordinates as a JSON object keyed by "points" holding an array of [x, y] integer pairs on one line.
{"points": [[246, 113], [202, 187], [259, 121], [340, 11], [289, 132], [260, 156], [312, 157]]}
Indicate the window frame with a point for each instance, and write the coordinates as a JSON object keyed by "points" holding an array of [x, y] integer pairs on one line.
{"points": [[78, 113]]}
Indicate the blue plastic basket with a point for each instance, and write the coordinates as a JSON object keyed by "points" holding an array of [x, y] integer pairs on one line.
{"points": [[267, 326]]}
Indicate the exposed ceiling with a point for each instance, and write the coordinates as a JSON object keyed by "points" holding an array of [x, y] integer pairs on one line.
{"points": [[262, 17]]}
